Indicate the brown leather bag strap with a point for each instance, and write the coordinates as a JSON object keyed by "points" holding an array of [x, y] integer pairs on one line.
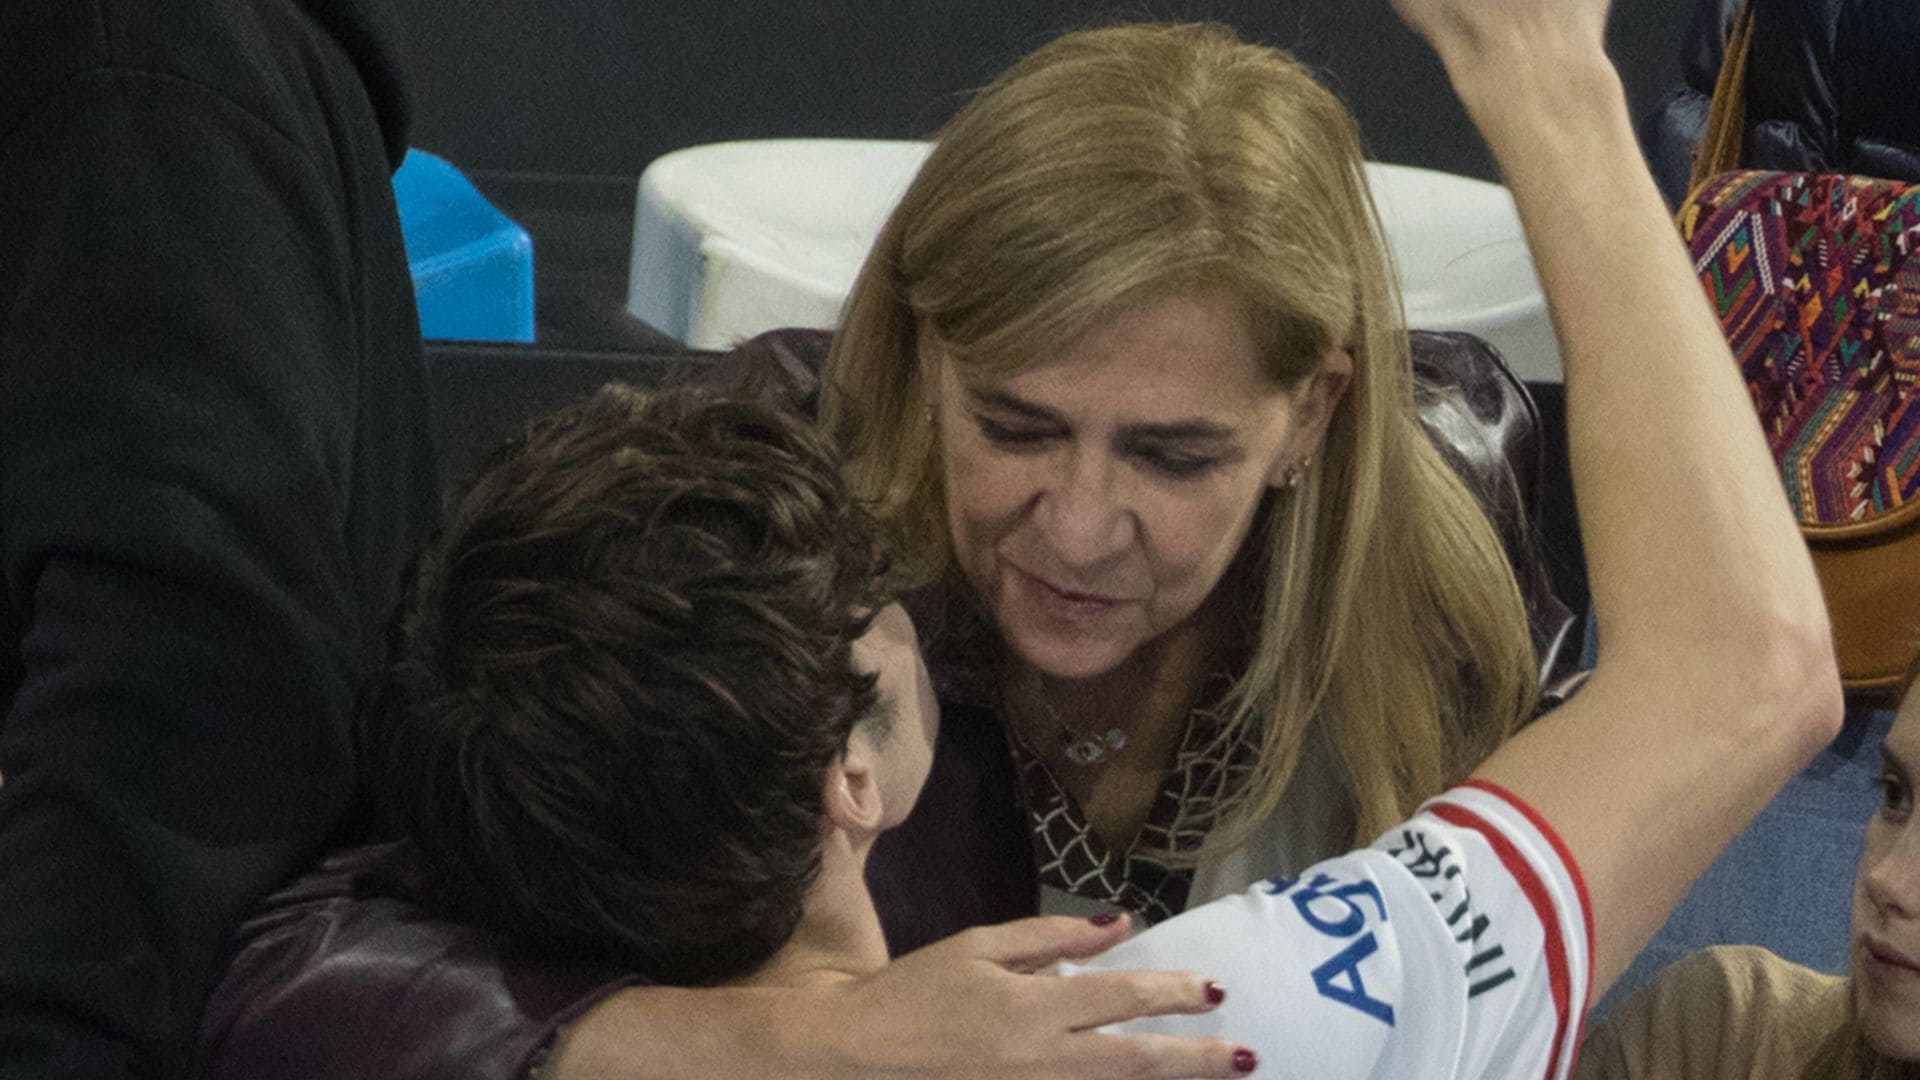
{"points": [[1719, 148]]}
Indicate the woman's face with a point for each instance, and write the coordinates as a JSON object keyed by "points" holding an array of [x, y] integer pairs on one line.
{"points": [[1096, 497], [1886, 901]]}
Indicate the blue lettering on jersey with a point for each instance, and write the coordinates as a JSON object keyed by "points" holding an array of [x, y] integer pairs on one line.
{"points": [[1354, 993], [1332, 908], [1355, 918]]}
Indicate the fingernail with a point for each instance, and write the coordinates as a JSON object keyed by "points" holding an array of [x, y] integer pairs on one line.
{"points": [[1244, 1061], [1105, 918], [1215, 993]]}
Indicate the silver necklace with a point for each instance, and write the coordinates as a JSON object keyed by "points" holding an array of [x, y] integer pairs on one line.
{"points": [[1083, 749]]}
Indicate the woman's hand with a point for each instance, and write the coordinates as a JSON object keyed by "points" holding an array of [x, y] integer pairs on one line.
{"points": [[982, 1003], [979, 1004]]}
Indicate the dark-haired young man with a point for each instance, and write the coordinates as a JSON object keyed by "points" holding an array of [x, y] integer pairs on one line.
{"points": [[642, 638]]}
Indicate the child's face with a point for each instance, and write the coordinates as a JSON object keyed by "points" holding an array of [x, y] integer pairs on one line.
{"points": [[892, 650], [1886, 901]]}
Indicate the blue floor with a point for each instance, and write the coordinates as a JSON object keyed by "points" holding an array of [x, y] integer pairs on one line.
{"points": [[1786, 883]]}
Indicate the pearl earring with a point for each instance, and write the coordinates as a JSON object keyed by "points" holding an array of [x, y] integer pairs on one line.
{"points": [[1290, 476]]}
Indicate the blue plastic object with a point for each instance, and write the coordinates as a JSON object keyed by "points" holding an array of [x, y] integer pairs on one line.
{"points": [[472, 266]]}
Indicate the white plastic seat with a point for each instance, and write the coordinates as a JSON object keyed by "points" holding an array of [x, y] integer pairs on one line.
{"points": [[1464, 264], [730, 239]]}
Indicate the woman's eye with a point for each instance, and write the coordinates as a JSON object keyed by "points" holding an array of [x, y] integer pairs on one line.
{"points": [[1178, 466], [1013, 435], [1896, 797]]}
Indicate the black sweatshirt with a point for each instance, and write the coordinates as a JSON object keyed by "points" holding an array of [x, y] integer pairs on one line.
{"points": [[214, 460]]}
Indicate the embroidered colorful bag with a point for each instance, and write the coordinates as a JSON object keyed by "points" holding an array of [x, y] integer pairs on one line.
{"points": [[1816, 279]]}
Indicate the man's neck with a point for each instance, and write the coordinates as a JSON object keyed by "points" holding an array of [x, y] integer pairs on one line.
{"points": [[839, 935]]}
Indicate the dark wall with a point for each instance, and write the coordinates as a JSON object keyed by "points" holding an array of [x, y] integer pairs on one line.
{"points": [[601, 87]]}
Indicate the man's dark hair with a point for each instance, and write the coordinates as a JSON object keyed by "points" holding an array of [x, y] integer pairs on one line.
{"points": [[619, 676]]}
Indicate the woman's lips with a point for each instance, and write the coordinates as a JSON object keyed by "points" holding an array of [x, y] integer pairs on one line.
{"points": [[1885, 958], [1066, 601]]}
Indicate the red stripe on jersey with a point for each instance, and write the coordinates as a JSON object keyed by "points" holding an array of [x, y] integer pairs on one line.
{"points": [[1566, 860], [1559, 848], [1559, 979]]}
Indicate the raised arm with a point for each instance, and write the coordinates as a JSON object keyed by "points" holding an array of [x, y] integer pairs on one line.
{"points": [[1716, 681]]}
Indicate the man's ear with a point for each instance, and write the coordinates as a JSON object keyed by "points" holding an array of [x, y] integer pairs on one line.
{"points": [[851, 792], [1314, 402]]}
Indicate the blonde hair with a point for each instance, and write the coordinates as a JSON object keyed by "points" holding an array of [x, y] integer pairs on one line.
{"points": [[1141, 161]]}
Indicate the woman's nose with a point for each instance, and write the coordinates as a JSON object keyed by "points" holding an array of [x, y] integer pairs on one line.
{"points": [[1082, 512], [1893, 881]]}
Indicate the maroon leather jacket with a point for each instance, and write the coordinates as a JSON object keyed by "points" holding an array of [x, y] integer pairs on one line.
{"points": [[346, 973]]}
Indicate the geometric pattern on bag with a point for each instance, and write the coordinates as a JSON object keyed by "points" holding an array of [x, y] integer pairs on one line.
{"points": [[1816, 281]]}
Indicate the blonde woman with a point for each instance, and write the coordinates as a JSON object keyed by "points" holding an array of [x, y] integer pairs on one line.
{"points": [[1126, 367]]}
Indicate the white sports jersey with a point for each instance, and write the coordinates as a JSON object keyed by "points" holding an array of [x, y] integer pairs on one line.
{"points": [[1457, 947]]}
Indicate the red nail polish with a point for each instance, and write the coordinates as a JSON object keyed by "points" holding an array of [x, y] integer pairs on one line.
{"points": [[1105, 918], [1244, 1061], [1216, 993]]}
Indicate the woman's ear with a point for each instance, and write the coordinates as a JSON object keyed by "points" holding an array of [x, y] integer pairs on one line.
{"points": [[930, 369], [1314, 403], [851, 792]]}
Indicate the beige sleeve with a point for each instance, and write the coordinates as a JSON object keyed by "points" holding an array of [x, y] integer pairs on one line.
{"points": [[1731, 1012], [1672, 1027]]}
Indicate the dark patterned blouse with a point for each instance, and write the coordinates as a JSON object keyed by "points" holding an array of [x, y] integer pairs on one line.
{"points": [[958, 641]]}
